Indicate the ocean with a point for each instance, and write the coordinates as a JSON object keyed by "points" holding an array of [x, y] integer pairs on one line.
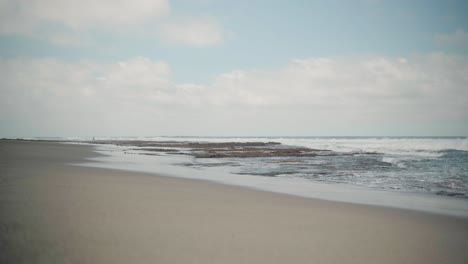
{"points": [[432, 165]]}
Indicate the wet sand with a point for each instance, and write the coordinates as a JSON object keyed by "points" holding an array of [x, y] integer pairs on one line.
{"points": [[55, 212]]}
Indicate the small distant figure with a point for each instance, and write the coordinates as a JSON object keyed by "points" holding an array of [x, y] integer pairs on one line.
{"points": [[93, 138]]}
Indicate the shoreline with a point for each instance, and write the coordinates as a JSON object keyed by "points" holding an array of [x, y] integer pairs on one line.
{"points": [[57, 212], [113, 157]]}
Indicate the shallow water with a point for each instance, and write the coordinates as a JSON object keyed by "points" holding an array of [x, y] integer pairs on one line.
{"points": [[432, 165]]}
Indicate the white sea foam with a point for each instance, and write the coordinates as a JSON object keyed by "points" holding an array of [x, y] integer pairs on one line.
{"points": [[418, 147], [395, 161]]}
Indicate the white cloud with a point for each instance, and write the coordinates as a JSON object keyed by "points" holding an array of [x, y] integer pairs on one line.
{"points": [[25, 16], [352, 83], [64, 22], [197, 32], [137, 96], [459, 38]]}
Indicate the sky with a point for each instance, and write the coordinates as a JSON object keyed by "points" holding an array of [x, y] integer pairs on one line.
{"points": [[233, 68]]}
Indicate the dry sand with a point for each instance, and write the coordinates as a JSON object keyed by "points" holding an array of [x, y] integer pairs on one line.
{"points": [[54, 212]]}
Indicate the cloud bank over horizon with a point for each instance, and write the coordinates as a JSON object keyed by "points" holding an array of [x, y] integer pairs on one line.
{"points": [[138, 97]]}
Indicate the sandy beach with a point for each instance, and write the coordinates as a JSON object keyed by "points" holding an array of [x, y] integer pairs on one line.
{"points": [[52, 211]]}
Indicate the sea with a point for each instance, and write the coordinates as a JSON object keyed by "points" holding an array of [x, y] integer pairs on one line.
{"points": [[427, 173]]}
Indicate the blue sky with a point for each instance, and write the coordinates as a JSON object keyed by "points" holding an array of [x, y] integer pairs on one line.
{"points": [[206, 44]]}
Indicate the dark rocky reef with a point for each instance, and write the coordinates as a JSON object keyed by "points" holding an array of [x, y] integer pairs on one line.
{"points": [[240, 152], [224, 149]]}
